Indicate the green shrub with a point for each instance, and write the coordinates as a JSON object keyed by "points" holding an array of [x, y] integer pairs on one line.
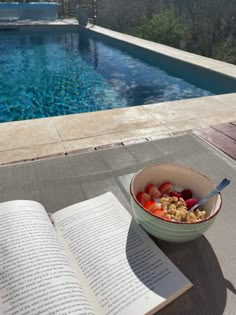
{"points": [[165, 27]]}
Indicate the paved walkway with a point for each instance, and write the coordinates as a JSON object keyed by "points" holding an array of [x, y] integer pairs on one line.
{"points": [[62, 135]]}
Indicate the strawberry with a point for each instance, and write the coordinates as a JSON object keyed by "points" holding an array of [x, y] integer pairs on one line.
{"points": [[142, 197], [190, 203], [152, 206], [166, 188], [166, 218], [159, 212], [152, 190], [186, 194], [175, 194]]}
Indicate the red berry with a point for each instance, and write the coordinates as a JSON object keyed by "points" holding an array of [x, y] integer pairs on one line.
{"points": [[186, 194], [152, 190], [175, 194], [159, 212], [190, 203], [166, 188], [142, 197], [166, 218], [152, 206]]}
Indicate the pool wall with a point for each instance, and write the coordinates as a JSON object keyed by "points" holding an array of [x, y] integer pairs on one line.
{"points": [[13, 11]]}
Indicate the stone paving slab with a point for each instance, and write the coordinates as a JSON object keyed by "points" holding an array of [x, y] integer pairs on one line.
{"points": [[105, 122], [192, 108], [32, 153], [27, 133]]}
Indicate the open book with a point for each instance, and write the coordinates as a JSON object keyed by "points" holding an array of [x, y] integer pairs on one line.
{"points": [[95, 260]]}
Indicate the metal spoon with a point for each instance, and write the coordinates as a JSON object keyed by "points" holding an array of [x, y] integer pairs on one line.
{"points": [[225, 182]]}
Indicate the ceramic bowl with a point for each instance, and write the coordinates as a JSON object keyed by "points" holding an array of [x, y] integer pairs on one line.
{"points": [[182, 177]]}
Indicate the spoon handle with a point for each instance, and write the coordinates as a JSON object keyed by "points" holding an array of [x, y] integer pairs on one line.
{"points": [[225, 182]]}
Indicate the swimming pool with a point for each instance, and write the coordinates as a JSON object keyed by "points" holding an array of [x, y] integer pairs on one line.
{"points": [[51, 73]]}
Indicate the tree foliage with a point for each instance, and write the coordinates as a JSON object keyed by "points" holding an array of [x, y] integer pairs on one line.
{"points": [[208, 27], [213, 27], [165, 27]]}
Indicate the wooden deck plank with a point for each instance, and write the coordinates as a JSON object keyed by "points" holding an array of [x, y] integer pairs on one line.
{"points": [[218, 139], [227, 129]]}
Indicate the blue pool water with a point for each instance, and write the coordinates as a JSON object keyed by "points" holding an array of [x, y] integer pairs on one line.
{"points": [[57, 73]]}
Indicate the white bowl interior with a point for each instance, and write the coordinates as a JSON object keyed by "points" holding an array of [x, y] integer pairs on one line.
{"points": [[182, 178]]}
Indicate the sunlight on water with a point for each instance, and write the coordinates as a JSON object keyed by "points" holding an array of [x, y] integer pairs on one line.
{"points": [[57, 73]]}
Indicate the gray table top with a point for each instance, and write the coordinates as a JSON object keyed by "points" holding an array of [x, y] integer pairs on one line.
{"points": [[209, 262]]}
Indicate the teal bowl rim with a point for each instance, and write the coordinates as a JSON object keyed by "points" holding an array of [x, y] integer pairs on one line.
{"points": [[173, 222]]}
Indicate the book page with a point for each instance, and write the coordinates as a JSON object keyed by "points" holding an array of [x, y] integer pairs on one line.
{"points": [[127, 272], [35, 274]]}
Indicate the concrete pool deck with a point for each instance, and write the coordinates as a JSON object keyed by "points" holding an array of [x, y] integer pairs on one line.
{"points": [[55, 136]]}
